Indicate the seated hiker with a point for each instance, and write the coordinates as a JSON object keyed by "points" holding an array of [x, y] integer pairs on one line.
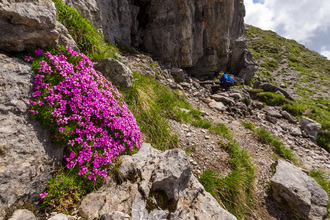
{"points": [[225, 81]]}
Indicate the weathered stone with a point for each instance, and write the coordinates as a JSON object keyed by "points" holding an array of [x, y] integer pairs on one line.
{"points": [[295, 132], [116, 72], [59, 217], [185, 85], [151, 170], [289, 117], [312, 128], [28, 157], [299, 191], [242, 63], [237, 96], [23, 214], [115, 216], [217, 105], [207, 100], [30, 24], [273, 112], [224, 99], [178, 74], [257, 104], [271, 119], [172, 173]]}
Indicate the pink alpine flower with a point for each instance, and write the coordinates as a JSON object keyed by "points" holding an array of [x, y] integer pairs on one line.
{"points": [[44, 194]]}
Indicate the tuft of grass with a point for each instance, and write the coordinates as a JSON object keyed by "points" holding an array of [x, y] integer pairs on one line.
{"points": [[273, 99], [266, 137], [235, 191], [319, 176], [153, 104], [88, 39], [248, 125], [66, 189]]}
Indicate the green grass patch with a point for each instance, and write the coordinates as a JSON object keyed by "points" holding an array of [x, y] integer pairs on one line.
{"points": [[153, 104], [266, 137], [273, 99], [235, 191], [319, 176], [88, 39], [66, 189]]}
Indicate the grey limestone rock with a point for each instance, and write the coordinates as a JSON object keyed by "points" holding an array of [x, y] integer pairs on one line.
{"points": [[23, 214], [295, 132], [217, 105], [31, 24], [60, 216], [298, 190], [178, 74], [289, 117], [151, 170], [311, 127], [115, 216], [224, 99], [273, 112], [27, 157], [116, 72]]}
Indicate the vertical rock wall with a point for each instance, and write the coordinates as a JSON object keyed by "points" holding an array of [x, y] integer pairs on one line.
{"points": [[27, 157], [198, 35]]}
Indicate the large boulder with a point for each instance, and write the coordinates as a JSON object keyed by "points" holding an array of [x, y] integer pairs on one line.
{"points": [[312, 128], [116, 72], [145, 177], [26, 24], [242, 64], [299, 191], [27, 157]]}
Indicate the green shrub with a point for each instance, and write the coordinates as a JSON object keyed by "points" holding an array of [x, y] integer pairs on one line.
{"points": [[273, 99]]}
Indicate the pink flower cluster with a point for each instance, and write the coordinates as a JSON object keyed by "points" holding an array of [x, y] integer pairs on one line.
{"points": [[103, 126]]}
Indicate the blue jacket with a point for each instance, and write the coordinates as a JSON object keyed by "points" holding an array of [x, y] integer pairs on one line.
{"points": [[225, 78]]}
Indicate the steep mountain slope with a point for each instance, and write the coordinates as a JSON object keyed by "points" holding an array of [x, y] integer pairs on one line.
{"points": [[303, 73]]}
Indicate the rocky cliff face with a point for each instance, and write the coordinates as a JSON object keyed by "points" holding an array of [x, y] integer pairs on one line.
{"points": [[27, 157], [200, 36]]}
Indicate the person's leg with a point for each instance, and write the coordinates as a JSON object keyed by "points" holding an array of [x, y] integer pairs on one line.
{"points": [[226, 85]]}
